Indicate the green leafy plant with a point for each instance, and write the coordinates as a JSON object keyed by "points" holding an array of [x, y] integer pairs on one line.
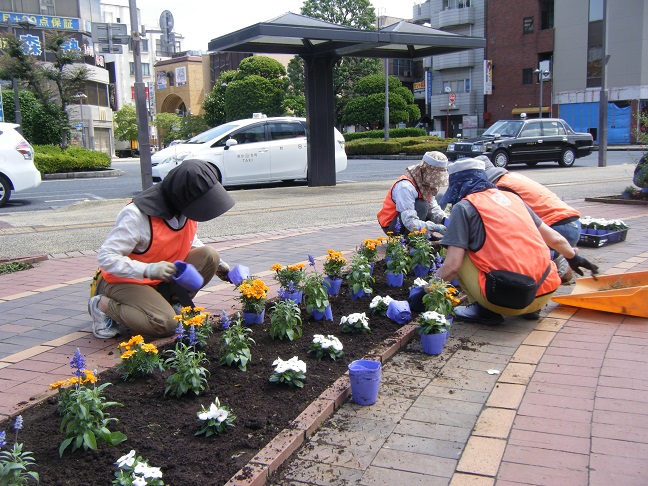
{"points": [[236, 345], [397, 256], [14, 267], [15, 462], [291, 372], [285, 322], [135, 471], [421, 248], [138, 358], [440, 296], [190, 375], [334, 264], [290, 276], [355, 323], [378, 306], [215, 419], [432, 322], [85, 420], [315, 293], [329, 346], [359, 276], [196, 318], [369, 248]]}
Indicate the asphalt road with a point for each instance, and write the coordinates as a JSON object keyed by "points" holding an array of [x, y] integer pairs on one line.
{"points": [[83, 225]]}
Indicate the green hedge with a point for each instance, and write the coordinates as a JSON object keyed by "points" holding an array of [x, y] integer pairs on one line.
{"points": [[408, 146], [393, 133], [50, 159]]}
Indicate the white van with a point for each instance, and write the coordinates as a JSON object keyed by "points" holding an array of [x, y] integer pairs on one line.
{"points": [[250, 151]]}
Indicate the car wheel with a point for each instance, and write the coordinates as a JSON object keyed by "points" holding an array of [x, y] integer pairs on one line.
{"points": [[500, 159], [218, 173], [567, 158], [531, 164], [5, 190]]}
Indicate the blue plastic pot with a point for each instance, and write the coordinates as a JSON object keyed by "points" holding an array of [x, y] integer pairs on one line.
{"points": [[238, 274], [399, 312], [332, 285], [187, 276], [421, 270], [252, 318], [326, 315], [365, 376], [395, 279], [433, 343]]}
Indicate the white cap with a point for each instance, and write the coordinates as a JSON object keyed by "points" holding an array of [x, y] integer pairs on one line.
{"points": [[465, 164], [436, 159]]}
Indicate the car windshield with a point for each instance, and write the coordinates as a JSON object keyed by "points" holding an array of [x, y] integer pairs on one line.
{"points": [[505, 128], [212, 133]]}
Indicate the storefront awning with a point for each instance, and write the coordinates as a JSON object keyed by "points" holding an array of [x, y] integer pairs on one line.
{"points": [[530, 109]]}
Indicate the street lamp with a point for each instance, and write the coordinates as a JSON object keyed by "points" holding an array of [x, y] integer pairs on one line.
{"points": [[541, 74], [81, 97]]}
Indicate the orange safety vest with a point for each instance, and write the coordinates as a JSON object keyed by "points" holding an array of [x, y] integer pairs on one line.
{"points": [[512, 240], [167, 244], [388, 211], [549, 207]]}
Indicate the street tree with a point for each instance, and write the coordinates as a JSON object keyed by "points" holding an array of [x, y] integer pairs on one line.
{"points": [[55, 82], [39, 127], [214, 103], [168, 127], [125, 124]]}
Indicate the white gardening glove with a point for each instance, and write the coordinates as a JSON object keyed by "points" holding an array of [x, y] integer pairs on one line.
{"points": [[160, 271], [222, 271], [435, 228]]}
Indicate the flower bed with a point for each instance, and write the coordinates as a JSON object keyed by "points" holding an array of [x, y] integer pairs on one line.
{"points": [[162, 429]]}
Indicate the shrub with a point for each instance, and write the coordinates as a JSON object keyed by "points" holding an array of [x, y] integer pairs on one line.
{"points": [[50, 159], [393, 133], [372, 147]]}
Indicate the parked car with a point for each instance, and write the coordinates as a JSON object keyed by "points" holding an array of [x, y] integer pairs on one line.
{"points": [[526, 141], [249, 151], [17, 169]]}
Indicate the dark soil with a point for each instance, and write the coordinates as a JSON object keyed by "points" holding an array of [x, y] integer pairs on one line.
{"points": [[162, 429]]}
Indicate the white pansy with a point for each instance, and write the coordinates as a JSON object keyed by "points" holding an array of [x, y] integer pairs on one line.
{"points": [[378, 300], [138, 481], [293, 364], [419, 282], [147, 471], [433, 316], [222, 415], [126, 460], [209, 414]]}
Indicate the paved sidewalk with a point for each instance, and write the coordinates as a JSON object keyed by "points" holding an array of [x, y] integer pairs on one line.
{"points": [[568, 407]]}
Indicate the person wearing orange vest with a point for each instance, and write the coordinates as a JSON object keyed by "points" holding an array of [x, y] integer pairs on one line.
{"points": [[553, 211], [157, 228], [410, 205], [497, 247]]}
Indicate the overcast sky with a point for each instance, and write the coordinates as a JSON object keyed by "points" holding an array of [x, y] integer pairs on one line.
{"points": [[200, 21]]}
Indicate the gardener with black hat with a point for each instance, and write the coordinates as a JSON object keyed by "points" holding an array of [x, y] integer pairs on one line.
{"points": [[497, 247], [158, 227]]}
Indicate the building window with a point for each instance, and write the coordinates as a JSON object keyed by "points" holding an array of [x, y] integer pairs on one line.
{"points": [[527, 25], [527, 76], [457, 86], [144, 45], [595, 10], [594, 66], [403, 67], [146, 69], [595, 44], [452, 4], [547, 15]]}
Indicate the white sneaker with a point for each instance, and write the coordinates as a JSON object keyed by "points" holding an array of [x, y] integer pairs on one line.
{"points": [[103, 327]]}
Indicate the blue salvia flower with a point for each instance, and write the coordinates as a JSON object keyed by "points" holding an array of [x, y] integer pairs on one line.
{"points": [[193, 340], [18, 424], [398, 226], [226, 321], [78, 364], [3, 439], [311, 260], [180, 332]]}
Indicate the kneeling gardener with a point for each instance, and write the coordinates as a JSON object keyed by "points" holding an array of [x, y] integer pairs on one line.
{"points": [[497, 247]]}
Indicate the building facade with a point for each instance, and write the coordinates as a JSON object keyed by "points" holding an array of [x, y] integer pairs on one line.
{"points": [[452, 94], [92, 116]]}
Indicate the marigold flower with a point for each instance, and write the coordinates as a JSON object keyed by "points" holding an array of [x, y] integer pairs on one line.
{"points": [[127, 354], [277, 267]]}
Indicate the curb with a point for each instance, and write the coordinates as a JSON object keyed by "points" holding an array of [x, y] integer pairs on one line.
{"points": [[27, 259], [259, 469], [629, 202], [84, 174]]}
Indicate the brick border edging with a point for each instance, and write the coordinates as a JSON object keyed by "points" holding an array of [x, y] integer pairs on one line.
{"points": [[259, 469]]}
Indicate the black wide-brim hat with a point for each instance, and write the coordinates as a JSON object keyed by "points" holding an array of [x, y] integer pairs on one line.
{"points": [[191, 189]]}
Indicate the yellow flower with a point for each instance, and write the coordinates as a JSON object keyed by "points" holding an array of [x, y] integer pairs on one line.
{"points": [[186, 309], [276, 267], [127, 354], [149, 348], [198, 309], [136, 340], [177, 318]]}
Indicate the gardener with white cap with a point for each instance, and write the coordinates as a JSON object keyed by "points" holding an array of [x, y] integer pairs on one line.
{"points": [[497, 247], [135, 287], [410, 204]]}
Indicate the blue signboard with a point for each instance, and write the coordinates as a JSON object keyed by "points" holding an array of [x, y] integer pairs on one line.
{"points": [[1, 109], [42, 21], [428, 75]]}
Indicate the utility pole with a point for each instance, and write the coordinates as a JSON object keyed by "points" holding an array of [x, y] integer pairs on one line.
{"points": [[603, 99], [143, 141]]}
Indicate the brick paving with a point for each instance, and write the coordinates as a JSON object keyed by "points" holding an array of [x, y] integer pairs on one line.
{"points": [[558, 401]]}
